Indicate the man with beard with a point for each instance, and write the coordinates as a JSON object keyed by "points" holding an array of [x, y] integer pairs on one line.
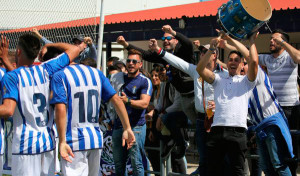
{"points": [[282, 65], [135, 90], [179, 45]]}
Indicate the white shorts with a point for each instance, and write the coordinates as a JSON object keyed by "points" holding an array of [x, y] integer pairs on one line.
{"points": [[84, 163], [57, 163], [28, 165]]}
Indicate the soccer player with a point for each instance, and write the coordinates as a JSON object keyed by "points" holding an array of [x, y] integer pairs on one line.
{"points": [[26, 94], [4, 62], [77, 93]]}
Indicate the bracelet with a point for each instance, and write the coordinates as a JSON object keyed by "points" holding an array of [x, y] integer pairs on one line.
{"points": [[282, 41]]}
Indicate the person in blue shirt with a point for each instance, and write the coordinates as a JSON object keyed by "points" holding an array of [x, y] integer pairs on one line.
{"points": [[135, 90]]}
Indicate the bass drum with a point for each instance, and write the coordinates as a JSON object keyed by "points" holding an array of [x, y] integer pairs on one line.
{"points": [[241, 18]]}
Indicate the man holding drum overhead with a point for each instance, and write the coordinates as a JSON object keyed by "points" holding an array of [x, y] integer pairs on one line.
{"points": [[228, 132]]}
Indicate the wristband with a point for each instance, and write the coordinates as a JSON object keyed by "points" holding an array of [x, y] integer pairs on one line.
{"points": [[128, 101], [282, 41], [159, 51]]}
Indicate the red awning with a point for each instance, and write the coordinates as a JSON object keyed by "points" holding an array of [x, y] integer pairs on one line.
{"points": [[199, 9]]}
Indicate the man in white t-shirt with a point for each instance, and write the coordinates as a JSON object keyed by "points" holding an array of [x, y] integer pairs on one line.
{"points": [[282, 65], [231, 94]]}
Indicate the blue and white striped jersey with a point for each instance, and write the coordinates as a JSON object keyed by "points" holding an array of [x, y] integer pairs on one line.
{"points": [[29, 87], [262, 102], [81, 88], [2, 72]]}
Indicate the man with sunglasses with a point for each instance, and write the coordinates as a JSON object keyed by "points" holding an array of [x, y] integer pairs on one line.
{"points": [[179, 45], [135, 90]]}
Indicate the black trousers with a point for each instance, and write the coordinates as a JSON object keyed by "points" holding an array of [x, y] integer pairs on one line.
{"points": [[230, 142]]}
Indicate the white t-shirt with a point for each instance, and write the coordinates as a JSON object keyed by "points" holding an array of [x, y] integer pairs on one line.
{"points": [[231, 100], [282, 72]]}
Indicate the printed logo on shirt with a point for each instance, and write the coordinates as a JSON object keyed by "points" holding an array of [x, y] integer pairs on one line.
{"points": [[134, 90]]}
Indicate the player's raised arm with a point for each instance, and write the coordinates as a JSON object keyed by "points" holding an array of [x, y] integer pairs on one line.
{"points": [[71, 50]]}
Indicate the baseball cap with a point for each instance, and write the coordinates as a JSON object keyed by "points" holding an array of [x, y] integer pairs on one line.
{"points": [[78, 37]]}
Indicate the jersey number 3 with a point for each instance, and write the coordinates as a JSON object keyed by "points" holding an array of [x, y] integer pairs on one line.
{"points": [[40, 100]]}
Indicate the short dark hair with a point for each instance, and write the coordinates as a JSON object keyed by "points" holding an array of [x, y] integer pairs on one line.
{"points": [[113, 58], [111, 68], [134, 52], [285, 36], [235, 52], [52, 52], [30, 44], [89, 61]]}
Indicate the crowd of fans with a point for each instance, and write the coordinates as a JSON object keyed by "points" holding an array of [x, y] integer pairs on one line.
{"points": [[248, 104]]}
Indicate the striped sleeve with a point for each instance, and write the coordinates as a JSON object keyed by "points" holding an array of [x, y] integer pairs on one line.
{"points": [[9, 86], [146, 86]]}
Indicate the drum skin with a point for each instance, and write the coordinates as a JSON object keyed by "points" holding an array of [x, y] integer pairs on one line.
{"points": [[237, 22]]}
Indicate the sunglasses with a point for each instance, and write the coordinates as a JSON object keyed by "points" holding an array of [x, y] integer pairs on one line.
{"points": [[168, 38], [132, 60]]}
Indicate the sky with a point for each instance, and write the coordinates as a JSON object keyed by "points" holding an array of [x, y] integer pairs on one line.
{"points": [[28, 13]]}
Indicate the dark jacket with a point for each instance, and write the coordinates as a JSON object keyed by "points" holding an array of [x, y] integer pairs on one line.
{"points": [[184, 50]]}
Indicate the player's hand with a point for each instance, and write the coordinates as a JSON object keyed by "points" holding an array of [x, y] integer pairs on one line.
{"points": [[43, 51], [197, 43], [159, 124], [168, 29], [149, 115], [215, 42], [151, 136], [121, 40], [88, 41], [129, 137], [223, 35], [255, 35], [65, 151], [124, 97], [36, 33], [153, 46], [4, 45]]}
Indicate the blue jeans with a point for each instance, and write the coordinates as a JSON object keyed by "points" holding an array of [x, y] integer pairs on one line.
{"points": [[135, 152], [273, 151]]}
